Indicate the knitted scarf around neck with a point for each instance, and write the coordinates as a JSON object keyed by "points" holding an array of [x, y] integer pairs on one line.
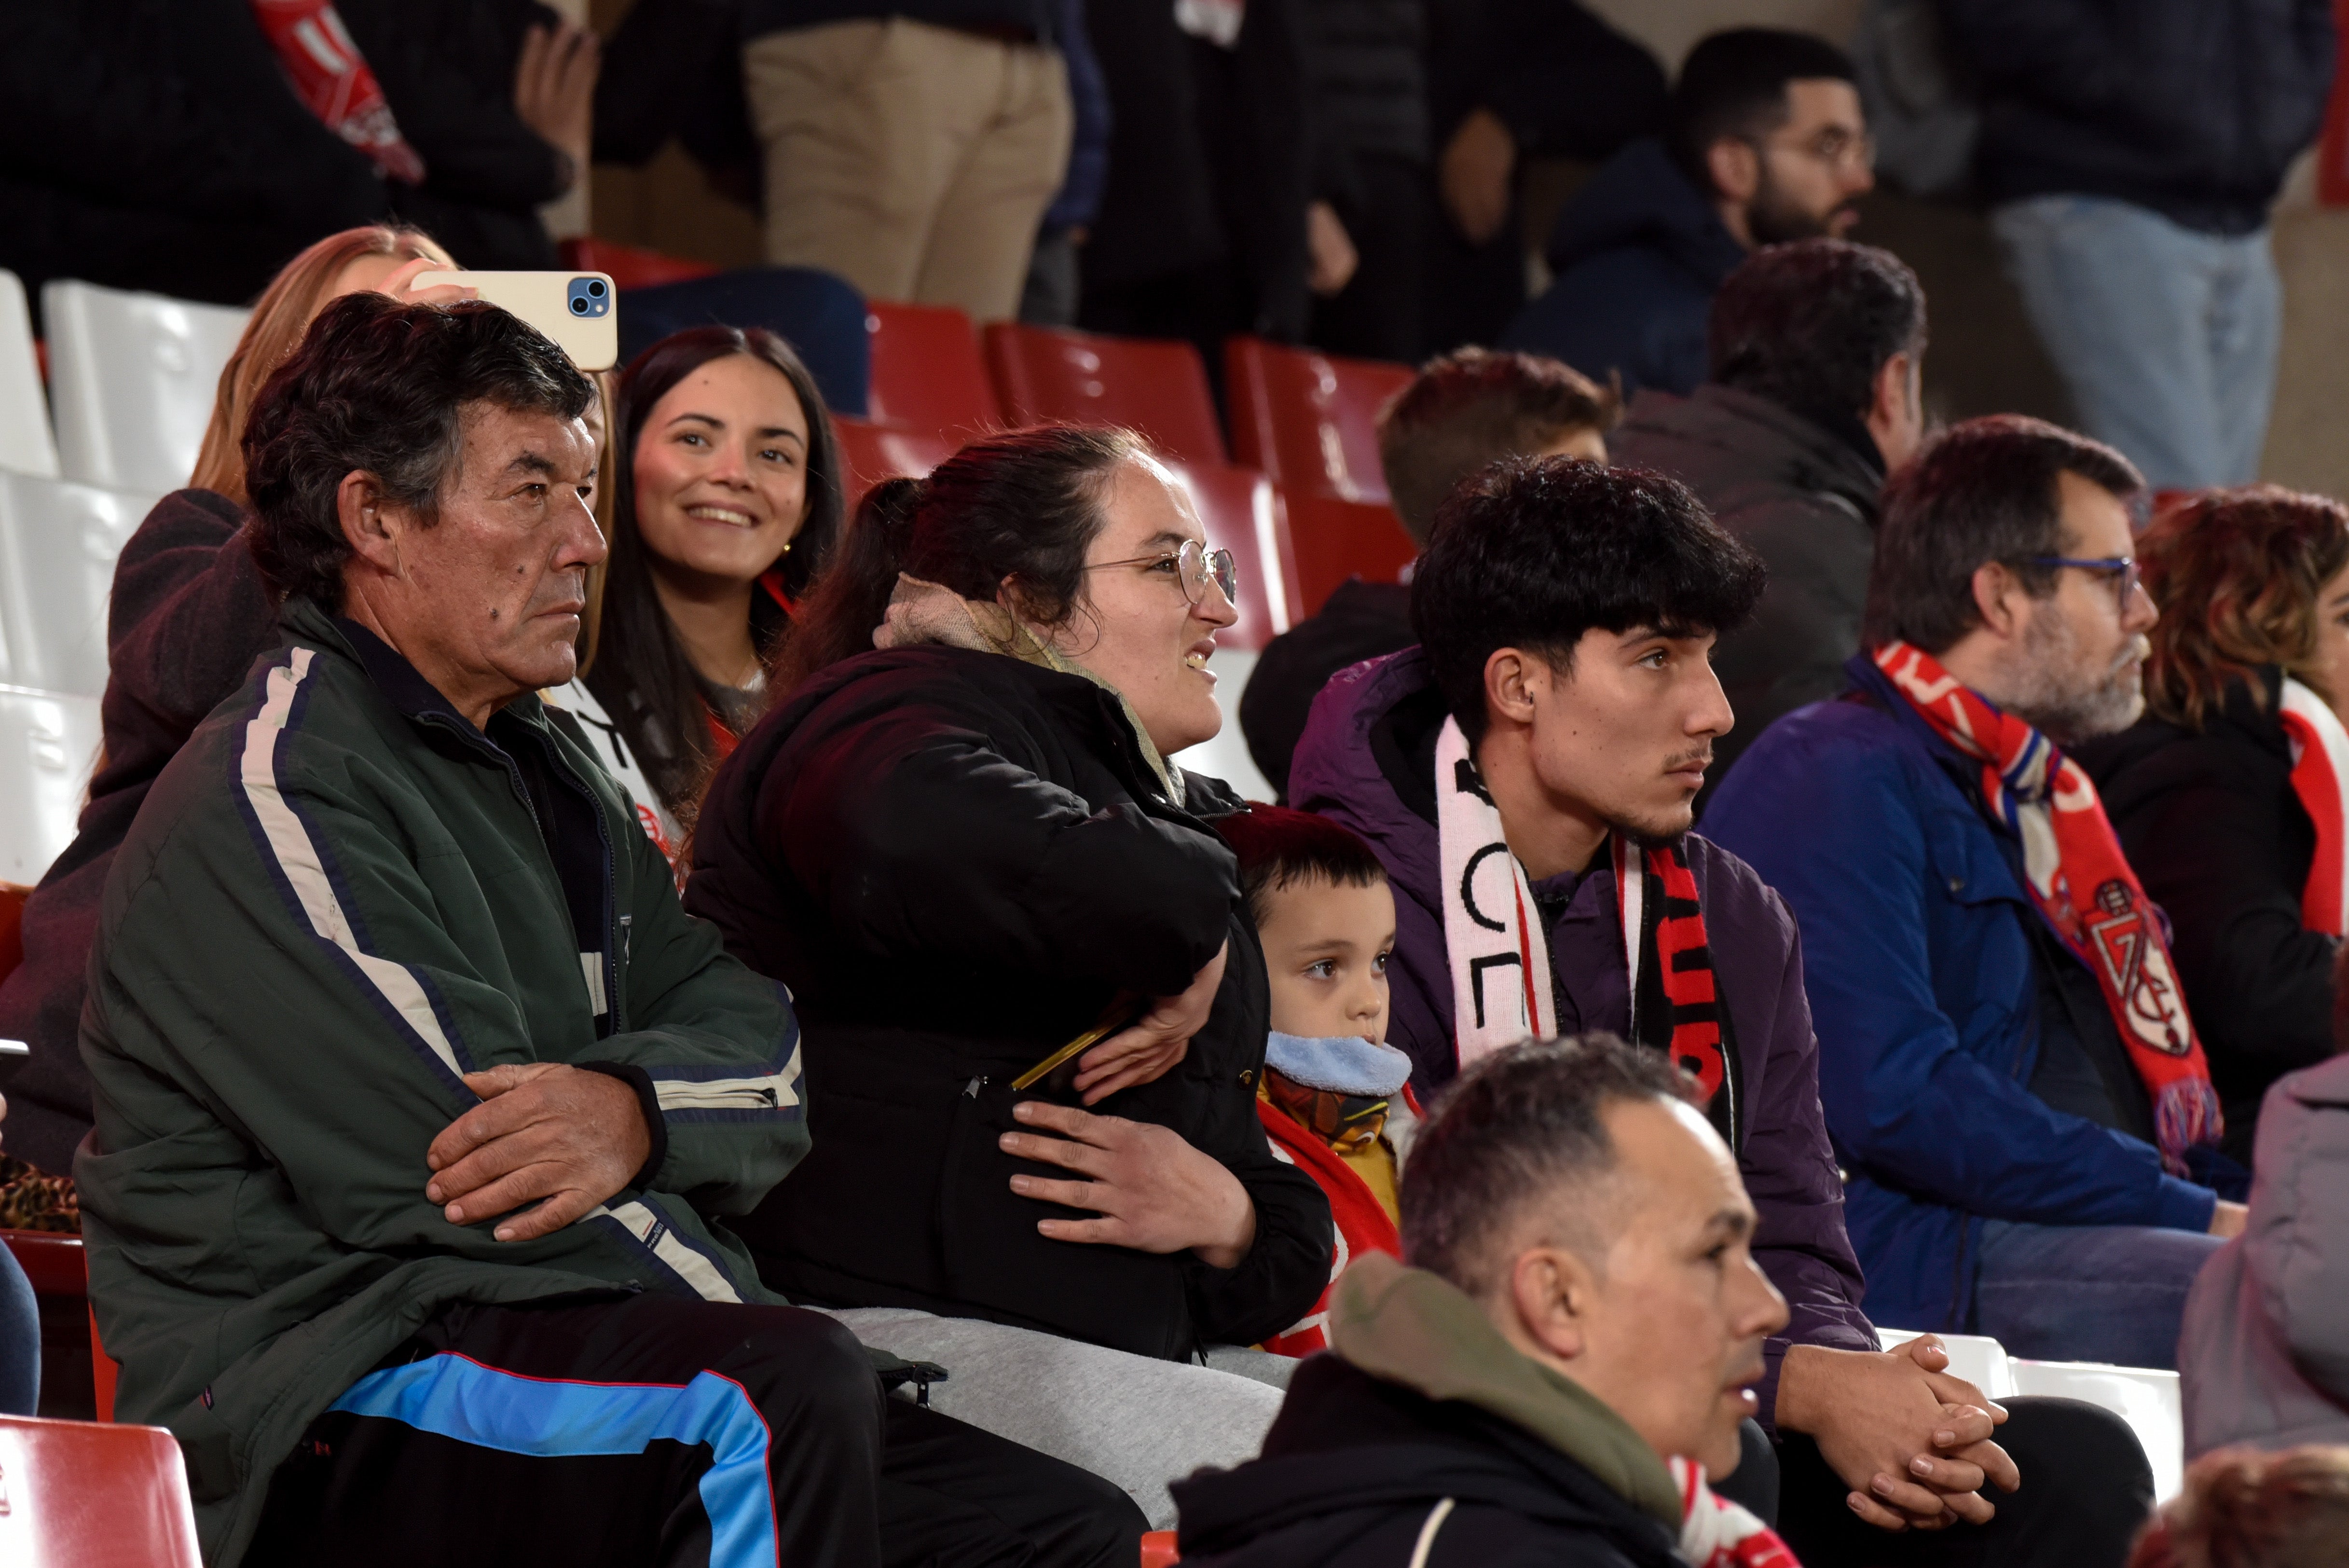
{"points": [[2083, 885], [2320, 777], [923, 612], [1498, 949]]}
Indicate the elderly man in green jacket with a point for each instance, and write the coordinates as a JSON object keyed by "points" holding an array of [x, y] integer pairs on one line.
{"points": [[419, 1102]]}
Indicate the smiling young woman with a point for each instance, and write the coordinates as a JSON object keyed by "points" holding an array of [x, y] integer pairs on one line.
{"points": [[724, 502]]}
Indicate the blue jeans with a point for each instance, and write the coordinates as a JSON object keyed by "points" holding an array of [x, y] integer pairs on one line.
{"points": [[20, 1341], [2088, 1292], [2167, 338]]}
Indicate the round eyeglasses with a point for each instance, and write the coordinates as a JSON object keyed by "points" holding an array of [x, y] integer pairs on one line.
{"points": [[1194, 564]]}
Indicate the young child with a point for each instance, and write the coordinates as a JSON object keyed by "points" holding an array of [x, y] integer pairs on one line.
{"points": [[1335, 1098]]}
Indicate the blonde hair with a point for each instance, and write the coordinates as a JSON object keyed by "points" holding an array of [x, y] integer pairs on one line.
{"points": [[280, 318], [2245, 1508]]}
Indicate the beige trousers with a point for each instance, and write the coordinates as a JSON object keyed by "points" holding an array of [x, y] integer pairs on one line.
{"points": [[914, 160]]}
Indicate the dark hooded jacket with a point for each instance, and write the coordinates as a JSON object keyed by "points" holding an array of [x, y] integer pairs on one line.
{"points": [[2192, 108], [187, 618], [2210, 823], [957, 862], [1368, 760], [1425, 1426], [1638, 255], [1800, 495]]}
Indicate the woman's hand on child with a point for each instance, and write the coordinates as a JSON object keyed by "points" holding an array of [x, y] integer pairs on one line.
{"points": [[1153, 1190], [1151, 1047]]}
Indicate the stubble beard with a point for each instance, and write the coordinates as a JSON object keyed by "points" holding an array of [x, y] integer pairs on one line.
{"points": [[2058, 703]]}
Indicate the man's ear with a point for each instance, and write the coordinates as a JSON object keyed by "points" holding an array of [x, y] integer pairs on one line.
{"points": [[372, 525], [1735, 167], [1998, 595], [1515, 683], [1552, 1291], [1893, 390]]}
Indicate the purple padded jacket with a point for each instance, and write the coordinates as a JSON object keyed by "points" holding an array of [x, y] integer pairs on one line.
{"points": [[1368, 761]]}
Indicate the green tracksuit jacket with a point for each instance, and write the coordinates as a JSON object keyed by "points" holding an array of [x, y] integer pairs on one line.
{"points": [[339, 897]]}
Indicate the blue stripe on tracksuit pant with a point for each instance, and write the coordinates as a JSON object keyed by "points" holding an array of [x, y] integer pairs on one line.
{"points": [[650, 1429]]}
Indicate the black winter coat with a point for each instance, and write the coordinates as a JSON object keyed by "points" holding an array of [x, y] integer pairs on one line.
{"points": [[2214, 830], [1359, 620], [2192, 108], [956, 861], [159, 146], [1354, 1465]]}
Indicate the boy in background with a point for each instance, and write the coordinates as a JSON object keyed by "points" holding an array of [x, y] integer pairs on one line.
{"points": [[1333, 1098]]}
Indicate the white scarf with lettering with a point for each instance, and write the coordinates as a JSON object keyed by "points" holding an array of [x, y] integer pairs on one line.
{"points": [[1492, 930]]}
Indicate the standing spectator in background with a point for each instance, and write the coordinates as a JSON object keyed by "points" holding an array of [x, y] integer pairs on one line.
{"points": [[2133, 153], [1374, 199], [911, 146], [1766, 144], [2228, 795], [1510, 81], [2010, 1075], [1466, 410], [1202, 231], [1055, 269], [726, 501], [176, 146], [1814, 398]]}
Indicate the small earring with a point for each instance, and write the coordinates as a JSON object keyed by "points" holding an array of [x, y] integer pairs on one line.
{"points": [[787, 549]]}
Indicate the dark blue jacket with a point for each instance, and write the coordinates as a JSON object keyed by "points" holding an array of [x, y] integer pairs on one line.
{"points": [[1080, 199], [1919, 958], [2192, 108], [1638, 255]]}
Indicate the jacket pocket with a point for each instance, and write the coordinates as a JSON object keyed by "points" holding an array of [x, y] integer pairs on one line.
{"points": [[996, 1260]]}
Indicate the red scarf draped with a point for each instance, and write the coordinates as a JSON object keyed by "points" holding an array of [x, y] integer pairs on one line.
{"points": [[2084, 887], [332, 80], [2320, 773]]}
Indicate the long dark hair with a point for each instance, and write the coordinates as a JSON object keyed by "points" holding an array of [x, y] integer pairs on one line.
{"points": [[636, 668], [1020, 508]]}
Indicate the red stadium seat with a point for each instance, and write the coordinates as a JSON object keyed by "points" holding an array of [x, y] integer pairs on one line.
{"points": [[55, 1265], [631, 266], [83, 1495], [870, 453], [1158, 1550], [927, 375], [1242, 512], [1334, 540], [1310, 420], [1157, 388]]}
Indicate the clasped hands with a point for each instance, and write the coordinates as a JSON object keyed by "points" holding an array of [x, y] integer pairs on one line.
{"points": [[1913, 1442], [554, 1137]]}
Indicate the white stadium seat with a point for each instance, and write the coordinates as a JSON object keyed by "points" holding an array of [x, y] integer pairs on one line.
{"points": [[132, 377], [2149, 1400], [58, 543], [26, 444], [49, 744]]}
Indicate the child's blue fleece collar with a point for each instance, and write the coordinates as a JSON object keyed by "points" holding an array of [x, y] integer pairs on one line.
{"points": [[1345, 1065]]}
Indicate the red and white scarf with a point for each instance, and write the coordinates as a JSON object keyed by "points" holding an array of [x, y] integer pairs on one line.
{"points": [[1498, 949], [332, 80], [2082, 885], [2320, 777], [1716, 1532]]}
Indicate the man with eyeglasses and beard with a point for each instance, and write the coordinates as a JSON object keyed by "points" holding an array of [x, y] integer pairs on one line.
{"points": [[1766, 144], [2009, 1072], [1526, 777]]}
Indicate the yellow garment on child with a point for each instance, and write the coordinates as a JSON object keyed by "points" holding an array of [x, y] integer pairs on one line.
{"points": [[1372, 1157]]}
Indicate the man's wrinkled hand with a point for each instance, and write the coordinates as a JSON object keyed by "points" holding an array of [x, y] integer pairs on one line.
{"points": [[545, 1134], [1913, 1442], [1153, 1191]]}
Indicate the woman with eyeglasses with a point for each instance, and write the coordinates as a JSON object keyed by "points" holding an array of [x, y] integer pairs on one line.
{"points": [[1033, 1006], [2228, 795]]}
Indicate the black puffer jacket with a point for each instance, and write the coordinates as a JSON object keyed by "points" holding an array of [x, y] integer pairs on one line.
{"points": [[957, 861], [2211, 824], [2192, 108]]}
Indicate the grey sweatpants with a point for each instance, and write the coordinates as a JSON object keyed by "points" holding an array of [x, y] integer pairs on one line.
{"points": [[1138, 1422]]}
